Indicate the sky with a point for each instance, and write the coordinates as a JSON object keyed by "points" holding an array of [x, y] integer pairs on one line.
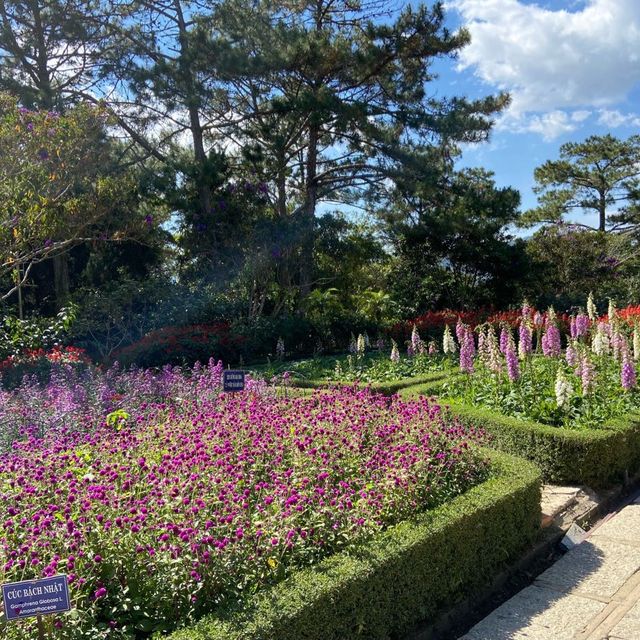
{"points": [[572, 68]]}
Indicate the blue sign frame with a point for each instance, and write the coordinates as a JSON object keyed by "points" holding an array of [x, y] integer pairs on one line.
{"points": [[233, 380], [36, 597]]}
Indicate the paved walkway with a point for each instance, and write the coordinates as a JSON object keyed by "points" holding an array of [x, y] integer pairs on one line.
{"points": [[591, 593]]}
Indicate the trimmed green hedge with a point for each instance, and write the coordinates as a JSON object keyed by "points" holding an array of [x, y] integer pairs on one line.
{"points": [[388, 387], [405, 575], [595, 457]]}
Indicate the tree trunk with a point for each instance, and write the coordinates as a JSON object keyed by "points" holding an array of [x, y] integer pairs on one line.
{"points": [[308, 215], [61, 278], [602, 212]]}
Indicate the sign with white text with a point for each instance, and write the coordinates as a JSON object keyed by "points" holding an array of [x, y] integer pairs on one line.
{"points": [[36, 597], [232, 380]]}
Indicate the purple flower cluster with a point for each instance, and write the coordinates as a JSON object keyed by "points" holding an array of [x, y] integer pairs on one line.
{"points": [[162, 497], [551, 343]]}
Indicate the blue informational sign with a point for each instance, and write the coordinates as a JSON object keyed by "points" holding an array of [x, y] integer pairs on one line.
{"points": [[36, 597], [232, 380]]}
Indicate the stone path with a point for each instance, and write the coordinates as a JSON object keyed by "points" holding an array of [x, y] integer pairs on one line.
{"points": [[591, 593]]}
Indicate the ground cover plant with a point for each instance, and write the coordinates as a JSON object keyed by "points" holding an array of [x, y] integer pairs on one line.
{"points": [[163, 499]]}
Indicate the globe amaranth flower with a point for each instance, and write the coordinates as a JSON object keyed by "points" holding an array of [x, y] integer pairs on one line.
{"points": [[563, 389]]}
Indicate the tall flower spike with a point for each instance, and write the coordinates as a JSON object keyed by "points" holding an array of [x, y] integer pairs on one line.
{"points": [[505, 338], [587, 375], [600, 342], [467, 350], [525, 342], [448, 343], [592, 312], [551, 344], [563, 389], [627, 373], [395, 354], [416, 342], [636, 343], [513, 366]]}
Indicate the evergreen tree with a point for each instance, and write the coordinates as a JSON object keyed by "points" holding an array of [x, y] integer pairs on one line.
{"points": [[600, 175], [329, 100]]}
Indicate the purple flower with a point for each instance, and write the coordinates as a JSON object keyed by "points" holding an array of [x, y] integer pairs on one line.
{"points": [[505, 336], [513, 366], [628, 373], [551, 344], [580, 326], [100, 593], [525, 344], [467, 349]]}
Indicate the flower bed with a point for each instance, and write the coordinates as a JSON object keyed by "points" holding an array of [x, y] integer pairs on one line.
{"points": [[405, 575], [574, 411], [181, 500]]}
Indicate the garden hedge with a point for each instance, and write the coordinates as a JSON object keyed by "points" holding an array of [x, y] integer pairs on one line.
{"points": [[595, 457], [436, 378], [405, 575]]}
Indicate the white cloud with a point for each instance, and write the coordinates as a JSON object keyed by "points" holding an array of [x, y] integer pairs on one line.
{"points": [[556, 64], [613, 118], [549, 125]]}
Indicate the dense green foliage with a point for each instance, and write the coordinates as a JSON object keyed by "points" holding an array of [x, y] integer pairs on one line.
{"points": [[407, 575]]}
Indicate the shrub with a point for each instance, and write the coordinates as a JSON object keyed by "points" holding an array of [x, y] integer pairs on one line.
{"points": [[38, 364], [182, 346], [403, 576]]}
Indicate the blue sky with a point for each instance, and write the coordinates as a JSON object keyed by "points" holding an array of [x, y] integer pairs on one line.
{"points": [[572, 68]]}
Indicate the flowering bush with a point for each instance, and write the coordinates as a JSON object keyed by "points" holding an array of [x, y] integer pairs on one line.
{"points": [[528, 373], [182, 345], [39, 363], [162, 498]]}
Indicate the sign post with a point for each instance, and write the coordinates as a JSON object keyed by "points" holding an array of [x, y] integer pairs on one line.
{"points": [[36, 598], [233, 380]]}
